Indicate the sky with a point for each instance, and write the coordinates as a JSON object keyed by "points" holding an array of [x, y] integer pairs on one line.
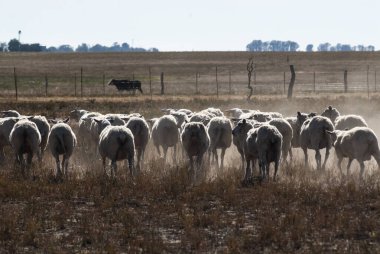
{"points": [[196, 25]]}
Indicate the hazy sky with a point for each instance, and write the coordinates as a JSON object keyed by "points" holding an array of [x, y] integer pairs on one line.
{"points": [[177, 25]]}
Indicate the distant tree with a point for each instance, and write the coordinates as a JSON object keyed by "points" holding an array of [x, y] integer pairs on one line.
{"points": [[324, 46], [293, 46], [345, 47], [153, 50], [125, 46], [309, 48], [3, 46], [255, 45], [360, 48], [65, 48], [14, 45], [34, 47], [371, 48], [52, 49], [82, 48]]}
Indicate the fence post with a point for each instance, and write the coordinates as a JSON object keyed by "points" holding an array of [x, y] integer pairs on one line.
{"points": [[345, 81], [162, 84], [292, 81], [196, 83], [375, 81], [150, 83], [368, 80], [217, 84], [15, 79], [229, 82], [81, 82], [133, 76], [314, 81], [75, 84], [284, 82], [46, 85], [104, 84]]}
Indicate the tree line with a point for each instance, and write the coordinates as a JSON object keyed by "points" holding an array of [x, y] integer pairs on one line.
{"points": [[280, 46], [15, 45]]}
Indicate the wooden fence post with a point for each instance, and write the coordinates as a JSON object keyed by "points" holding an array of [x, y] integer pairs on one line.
{"points": [[284, 82], [196, 83], [81, 82], [217, 84], [150, 83], [314, 81], [104, 84], [375, 81], [46, 85], [292, 81], [75, 84], [229, 82], [15, 79], [162, 83], [368, 80], [345, 81]]}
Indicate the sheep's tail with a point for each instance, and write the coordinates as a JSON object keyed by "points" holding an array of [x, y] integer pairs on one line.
{"points": [[121, 141], [60, 138], [218, 135]]}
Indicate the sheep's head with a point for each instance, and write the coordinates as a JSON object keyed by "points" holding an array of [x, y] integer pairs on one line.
{"points": [[333, 136], [242, 127]]}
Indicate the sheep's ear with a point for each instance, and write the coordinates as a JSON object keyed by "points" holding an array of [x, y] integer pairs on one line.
{"points": [[330, 107], [66, 120], [312, 114], [97, 120], [346, 129], [244, 121], [298, 113], [52, 121], [330, 132], [29, 117]]}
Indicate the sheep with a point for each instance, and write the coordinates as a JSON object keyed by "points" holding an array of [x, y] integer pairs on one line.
{"points": [[141, 135], [239, 136], [117, 119], [296, 123], [286, 131], [219, 130], [85, 121], [212, 112], [269, 145], [6, 126], [76, 114], [44, 129], [261, 117], [195, 141], [358, 143], [313, 136], [238, 113], [62, 141], [25, 139], [201, 118], [349, 122], [263, 142], [165, 133], [169, 111], [250, 149], [181, 118], [10, 113], [331, 113], [116, 143]]}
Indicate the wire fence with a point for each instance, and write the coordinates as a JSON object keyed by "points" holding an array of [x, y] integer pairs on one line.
{"points": [[211, 81]]}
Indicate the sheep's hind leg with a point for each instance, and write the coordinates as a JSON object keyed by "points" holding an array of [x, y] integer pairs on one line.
{"points": [[318, 158], [327, 154]]}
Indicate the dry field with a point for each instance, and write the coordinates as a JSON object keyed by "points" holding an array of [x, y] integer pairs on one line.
{"points": [[160, 211]]}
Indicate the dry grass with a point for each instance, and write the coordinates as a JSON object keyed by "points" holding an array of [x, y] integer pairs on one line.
{"points": [[160, 211]]}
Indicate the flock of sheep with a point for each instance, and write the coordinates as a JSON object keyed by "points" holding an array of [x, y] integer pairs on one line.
{"points": [[264, 137]]}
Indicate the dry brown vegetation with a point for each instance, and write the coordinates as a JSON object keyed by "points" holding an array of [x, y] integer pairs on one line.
{"points": [[160, 210]]}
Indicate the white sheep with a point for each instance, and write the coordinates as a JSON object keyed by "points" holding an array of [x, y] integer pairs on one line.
{"points": [[165, 133], [25, 139], [141, 135], [239, 136], [44, 129], [286, 131], [331, 113], [116, 143], [219, 130], [201, 118], [359, 143], [10, 113], [76, 114], [269, 145], [6, 126], [314, 136], [62, 141], [84, 133], [349, 121], [296, 123], [212, 112], [195, 142]]}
